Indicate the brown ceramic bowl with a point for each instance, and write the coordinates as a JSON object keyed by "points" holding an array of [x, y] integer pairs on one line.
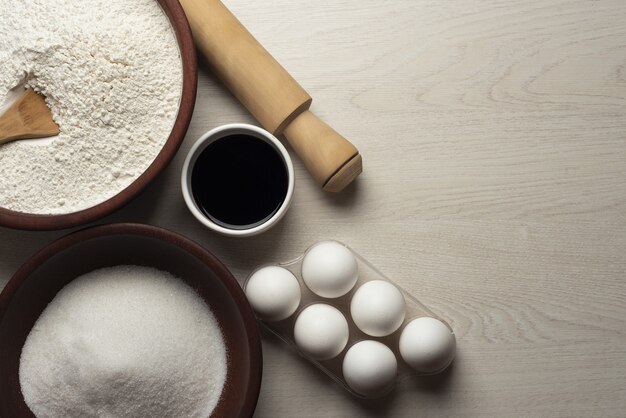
{"points": [[36, 283], [20, 220]]}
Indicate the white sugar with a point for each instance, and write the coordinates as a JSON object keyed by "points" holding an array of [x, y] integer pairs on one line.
{"points": [[112, 75], [120, 342]]}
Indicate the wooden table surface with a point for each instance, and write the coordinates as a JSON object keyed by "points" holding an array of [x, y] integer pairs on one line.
{"points": [[493, 134]]}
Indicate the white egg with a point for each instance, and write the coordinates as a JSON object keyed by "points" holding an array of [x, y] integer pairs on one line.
{"points": [[273, 292], [370, 368], [427, 345], [329, 269], [378, 308], [321, 331]]}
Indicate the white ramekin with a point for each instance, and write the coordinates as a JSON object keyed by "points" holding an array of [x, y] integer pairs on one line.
{"points": [[213, 135]]}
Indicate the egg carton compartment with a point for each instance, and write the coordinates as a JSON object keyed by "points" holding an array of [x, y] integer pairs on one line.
{"points": [[284, 328]]}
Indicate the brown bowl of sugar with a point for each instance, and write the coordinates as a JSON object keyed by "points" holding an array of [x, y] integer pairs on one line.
{"points": [[127, 320], [120, 79]]}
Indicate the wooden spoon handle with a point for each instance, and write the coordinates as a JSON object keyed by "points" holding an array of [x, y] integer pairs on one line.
{"points": [[28, 117], [8, 127], [267, 90]]}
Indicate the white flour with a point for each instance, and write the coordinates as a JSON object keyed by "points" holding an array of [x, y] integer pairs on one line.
{"points": [[124, 342], [112, 75]]}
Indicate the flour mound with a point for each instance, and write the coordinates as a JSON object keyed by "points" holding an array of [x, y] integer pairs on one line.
{"points": [[112, 75]]}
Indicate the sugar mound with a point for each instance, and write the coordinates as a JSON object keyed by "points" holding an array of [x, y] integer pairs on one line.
{"points": [[125, 341]]}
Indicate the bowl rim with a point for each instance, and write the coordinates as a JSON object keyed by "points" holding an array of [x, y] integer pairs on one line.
{"points": [[188, 245], [43, 222]]}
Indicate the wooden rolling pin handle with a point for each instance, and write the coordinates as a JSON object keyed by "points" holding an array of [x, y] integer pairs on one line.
{"points": [[331, 159], [244, 66], [267, 90]]}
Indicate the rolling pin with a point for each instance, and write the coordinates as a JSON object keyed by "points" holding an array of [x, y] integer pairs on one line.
{"points": [[273, 97]]}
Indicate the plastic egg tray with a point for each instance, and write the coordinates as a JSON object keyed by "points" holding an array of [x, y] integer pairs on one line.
{"points": [[284, 329]]}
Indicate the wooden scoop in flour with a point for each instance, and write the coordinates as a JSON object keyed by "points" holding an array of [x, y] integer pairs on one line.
{"points": [[29, 117], [277, 101]]}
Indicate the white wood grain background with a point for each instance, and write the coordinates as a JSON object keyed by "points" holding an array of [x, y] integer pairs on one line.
{"points": [[494, 141]]}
